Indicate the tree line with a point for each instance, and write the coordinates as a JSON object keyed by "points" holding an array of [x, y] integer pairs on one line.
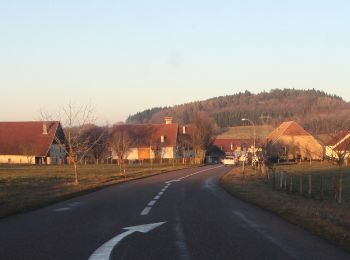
{"points": [[317, 111]]}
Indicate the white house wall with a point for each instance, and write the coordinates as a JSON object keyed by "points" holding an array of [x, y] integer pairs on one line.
{"points": [[133, 153], [167, 152], [17, 159]]}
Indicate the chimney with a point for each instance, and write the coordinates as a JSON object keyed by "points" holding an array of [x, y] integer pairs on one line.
{"points": [[168, 120], [162, 139], [44, 128], [184, 129]]}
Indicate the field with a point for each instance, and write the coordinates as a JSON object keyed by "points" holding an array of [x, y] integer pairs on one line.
{"points": [[24, 188], [314, 209]]}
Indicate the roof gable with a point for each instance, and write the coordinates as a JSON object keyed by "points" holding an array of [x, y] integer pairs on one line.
{"points": [[27, 138], [289, 128]]}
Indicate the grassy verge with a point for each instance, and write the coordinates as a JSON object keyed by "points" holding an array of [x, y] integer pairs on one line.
{"points": [[24, 188], [323, 217]]}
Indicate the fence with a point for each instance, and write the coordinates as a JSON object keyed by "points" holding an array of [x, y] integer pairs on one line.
{"points": [[323, 186]]}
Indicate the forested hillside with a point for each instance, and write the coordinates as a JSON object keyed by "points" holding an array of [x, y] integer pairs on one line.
{"points": [[316, 110]]}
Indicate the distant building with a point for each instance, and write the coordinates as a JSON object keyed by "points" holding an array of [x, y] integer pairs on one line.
{"points": [[157, 141], [38, 142], [339, 144], [239, 139], [233, 146], [291, 141]]}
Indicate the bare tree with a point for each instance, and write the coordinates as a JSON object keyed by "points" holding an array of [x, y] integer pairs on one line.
{"points": [[76, 119], [120, 142], [97, 137], [340, 152], [29, 151], [203, 132]]}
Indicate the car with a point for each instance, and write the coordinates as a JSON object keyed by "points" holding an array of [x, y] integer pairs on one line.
{"points": [[229, 160]]}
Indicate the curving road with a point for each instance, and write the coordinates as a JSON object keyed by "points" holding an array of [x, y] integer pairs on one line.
{"points": [[178, 215]]}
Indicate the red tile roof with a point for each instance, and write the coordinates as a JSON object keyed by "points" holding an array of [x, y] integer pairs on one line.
{"points": [[337, 138], [344, 145], [145, 135], [225, 144], [26, 138], [341, 141], [290, 128]]}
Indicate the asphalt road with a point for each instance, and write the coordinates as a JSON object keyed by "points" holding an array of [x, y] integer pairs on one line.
{"points": [[178, 215]]}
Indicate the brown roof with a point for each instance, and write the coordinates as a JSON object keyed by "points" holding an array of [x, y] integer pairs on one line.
{"points": [[290, 128], [26, 138], [337, 138], [341, 141], [344, 145], [225, 144], [145, 135]]}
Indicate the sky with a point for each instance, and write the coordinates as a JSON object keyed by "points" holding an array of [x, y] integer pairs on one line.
{"points": [[127, 56]]}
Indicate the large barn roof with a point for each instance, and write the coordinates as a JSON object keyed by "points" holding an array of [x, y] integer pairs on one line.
{"points": [[289, 128], [27, 138]]}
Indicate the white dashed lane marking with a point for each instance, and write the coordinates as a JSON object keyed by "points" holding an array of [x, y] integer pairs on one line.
{"points": [[145, 211], [149, 206], [152, 202]]}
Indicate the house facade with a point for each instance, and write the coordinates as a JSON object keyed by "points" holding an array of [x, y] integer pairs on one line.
{"points": [[291, 141], [152, 141], [37, 142]]}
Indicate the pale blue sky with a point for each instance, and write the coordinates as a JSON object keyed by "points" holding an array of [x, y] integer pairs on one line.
{"points": [[126, 56]]}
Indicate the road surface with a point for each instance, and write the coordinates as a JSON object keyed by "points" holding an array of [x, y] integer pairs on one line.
{"points": [[178, 215]]}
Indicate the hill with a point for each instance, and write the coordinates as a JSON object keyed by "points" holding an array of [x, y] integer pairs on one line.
{"points": [[317, 111]]}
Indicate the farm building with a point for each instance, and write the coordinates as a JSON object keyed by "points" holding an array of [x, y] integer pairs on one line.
{"points": [[339, 146], [153, 141], [291, 141], [34, 142], [240, 138]]}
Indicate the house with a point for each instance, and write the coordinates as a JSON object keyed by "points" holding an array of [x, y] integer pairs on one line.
{"points": [[239, 139], [37, 142], [233, 146], [339, 146], [152, 141], [290, 141]]}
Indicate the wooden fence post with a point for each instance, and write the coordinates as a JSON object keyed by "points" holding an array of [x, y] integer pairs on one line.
{"points": [[281, 180], [310, 186], [285, 180], [321, 183], [301, 184]]}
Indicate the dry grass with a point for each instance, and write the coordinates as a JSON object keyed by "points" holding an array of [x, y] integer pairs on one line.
{"points": [[24, 188], [323, 217]]}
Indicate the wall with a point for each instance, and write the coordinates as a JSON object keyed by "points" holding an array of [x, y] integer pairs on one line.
{"points": [[57, 154], [17, 159]]}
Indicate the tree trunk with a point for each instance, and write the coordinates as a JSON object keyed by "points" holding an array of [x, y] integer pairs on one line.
{"points": [[76, 181], [340, 192]]}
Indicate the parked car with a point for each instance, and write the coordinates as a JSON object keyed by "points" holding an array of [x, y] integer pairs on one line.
{"points": [[229, 160]]}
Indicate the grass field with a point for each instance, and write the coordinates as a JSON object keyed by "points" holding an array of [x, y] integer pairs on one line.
{"points": [[318, 214], [24, 188]]}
